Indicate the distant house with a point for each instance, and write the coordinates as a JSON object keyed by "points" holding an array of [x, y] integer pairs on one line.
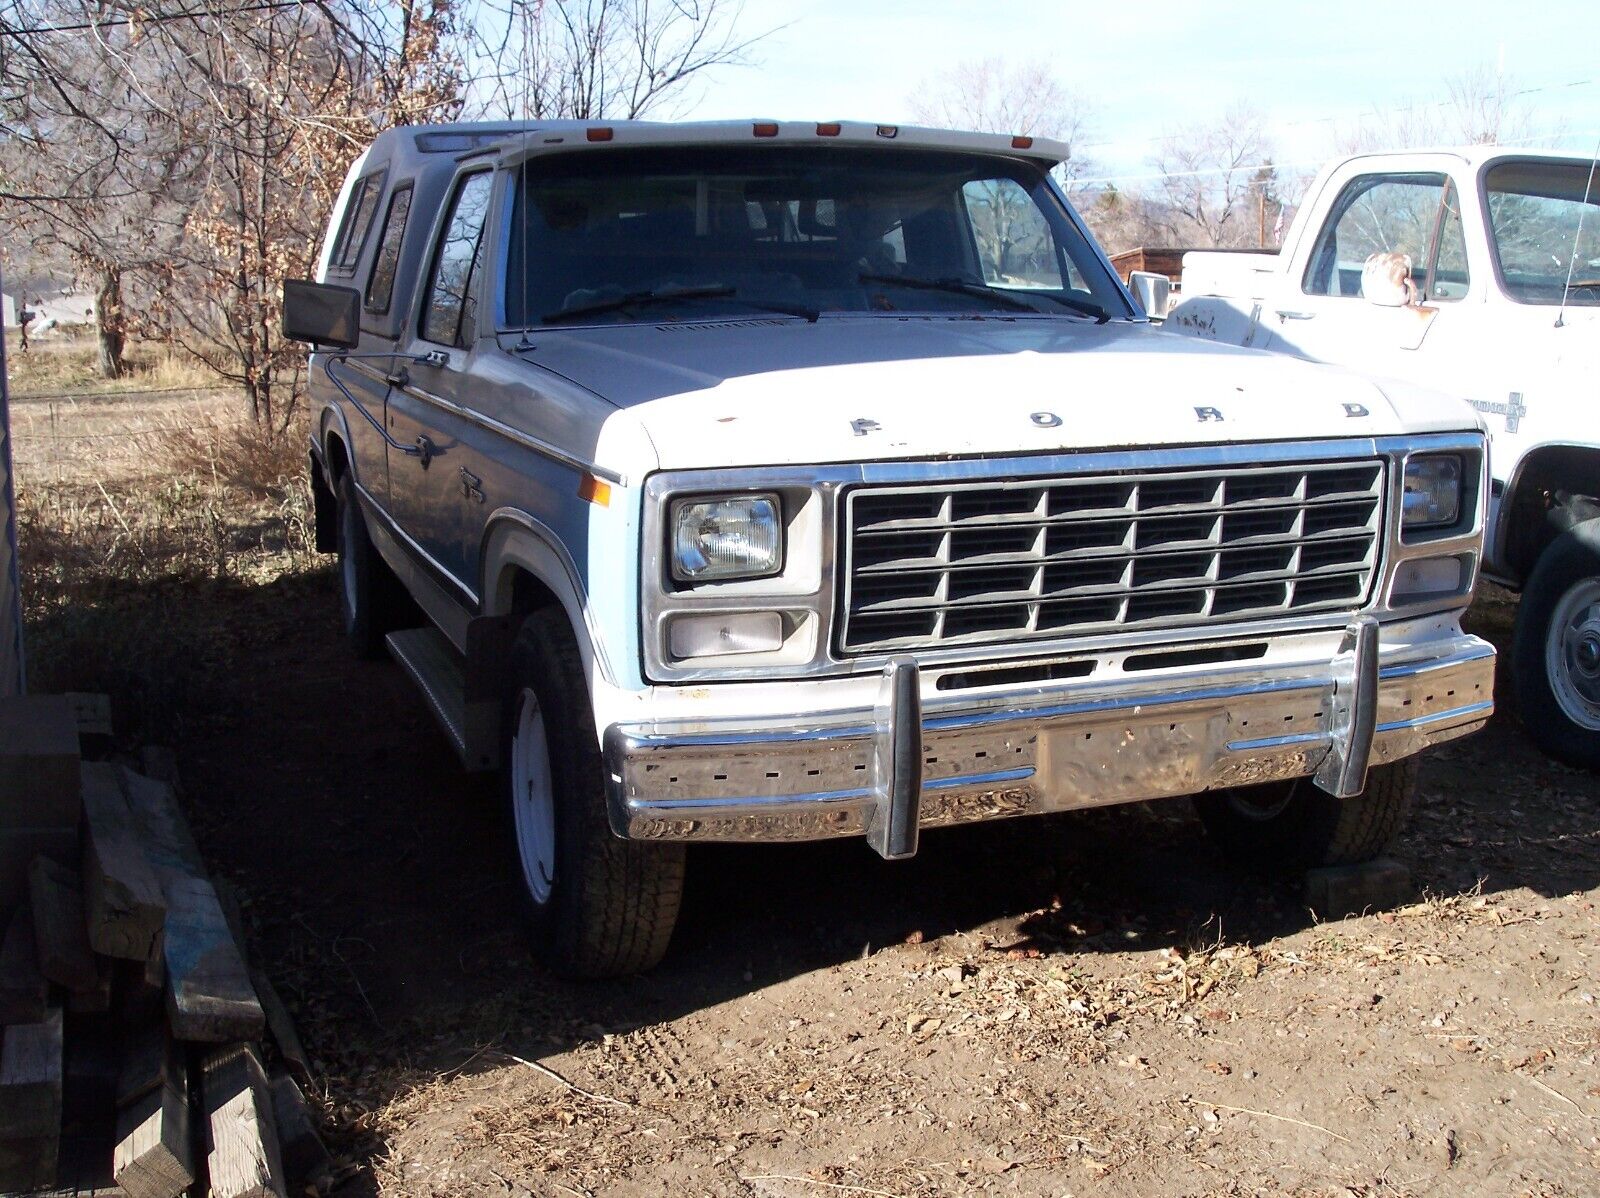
{"points": [[61, 304]]}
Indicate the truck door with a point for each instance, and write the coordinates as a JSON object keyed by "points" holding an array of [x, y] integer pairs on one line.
{"points": [[430, 413], [1323, 312]]}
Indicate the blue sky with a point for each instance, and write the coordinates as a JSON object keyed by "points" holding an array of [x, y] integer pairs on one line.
{"points": [[1148, 67]]}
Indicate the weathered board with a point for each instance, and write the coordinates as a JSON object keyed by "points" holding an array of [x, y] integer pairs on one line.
{"points": [[59, 930], [209, 995], [242, 1154], [306, 1162], [38, 762], [154, 1156], [30, 1104], [210, 998], [122, 896], [23, 990]]}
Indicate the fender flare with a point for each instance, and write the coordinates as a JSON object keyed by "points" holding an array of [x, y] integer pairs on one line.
{"points": [[1498, 538], [514, 540], [333, 424]]}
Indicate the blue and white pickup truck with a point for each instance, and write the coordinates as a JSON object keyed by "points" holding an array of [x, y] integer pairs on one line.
{"points": [[765, 482], [1488, 289]]}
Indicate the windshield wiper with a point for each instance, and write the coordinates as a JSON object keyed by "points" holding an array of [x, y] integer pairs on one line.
{"points": [[634, 299], [1004, 298]]}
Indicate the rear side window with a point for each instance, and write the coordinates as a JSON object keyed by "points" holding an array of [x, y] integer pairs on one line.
{"points": [[450, 307], [380, 286], [357, 220]]}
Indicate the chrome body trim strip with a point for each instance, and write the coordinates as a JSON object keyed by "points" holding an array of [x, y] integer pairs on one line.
{"points": [[1012, 754], [516, 436]]}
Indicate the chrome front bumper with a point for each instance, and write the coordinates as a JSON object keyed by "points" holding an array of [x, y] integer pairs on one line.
{"points": [[887, 772]]}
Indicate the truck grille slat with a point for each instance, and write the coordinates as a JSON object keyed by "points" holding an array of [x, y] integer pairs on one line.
{"points": [[977, 563]]}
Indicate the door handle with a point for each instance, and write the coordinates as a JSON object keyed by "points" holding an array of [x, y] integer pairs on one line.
{"points": [[1286, 314], [425, 451]]}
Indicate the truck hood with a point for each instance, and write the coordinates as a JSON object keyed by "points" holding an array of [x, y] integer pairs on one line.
{"points": [[785, 392]]}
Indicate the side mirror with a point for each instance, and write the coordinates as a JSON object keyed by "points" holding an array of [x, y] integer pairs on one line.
{"points": [[1153, 291], [321, 313]]}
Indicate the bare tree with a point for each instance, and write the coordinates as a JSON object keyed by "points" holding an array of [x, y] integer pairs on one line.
{"points": [[590, 59], [1209, 177], [1480, 106], [992, 95]]}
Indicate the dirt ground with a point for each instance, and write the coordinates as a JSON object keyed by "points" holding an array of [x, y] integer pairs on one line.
{"points": [[1092, 1004]]}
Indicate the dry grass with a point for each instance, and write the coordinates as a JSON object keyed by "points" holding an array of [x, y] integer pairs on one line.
{"points": [[67, 364], [137, 517]]}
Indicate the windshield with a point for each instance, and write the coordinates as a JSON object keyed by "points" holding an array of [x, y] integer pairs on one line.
{"points": [[1535, 209], [712, 232]]}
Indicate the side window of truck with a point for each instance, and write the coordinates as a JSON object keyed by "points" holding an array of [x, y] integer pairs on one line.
{"points": [[451, 309], [1418, 215], [380, 285], [357, 220]]}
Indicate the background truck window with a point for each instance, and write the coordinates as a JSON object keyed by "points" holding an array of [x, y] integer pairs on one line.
{"points": [[380, 287], [1375, 214], [450, 308], [1534, 211]]}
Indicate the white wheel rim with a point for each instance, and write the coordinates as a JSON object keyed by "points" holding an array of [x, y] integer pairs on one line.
{"points": [[532, 803], [1572, 653], [347, 561]]}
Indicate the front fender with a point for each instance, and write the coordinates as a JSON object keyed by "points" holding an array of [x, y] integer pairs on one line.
{"points": [[514, 541]]}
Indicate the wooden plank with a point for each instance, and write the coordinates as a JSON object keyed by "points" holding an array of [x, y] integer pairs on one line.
{"points": [[30, 1104], [242, 1157], [18, 848], [153, 1157], [59, 931], [38, 762], [280, 1024], [142, 1057], [168, 844], [122, 896], [306, 1163], [209, 995], [23, 990], [92, 713], [96, 999]]}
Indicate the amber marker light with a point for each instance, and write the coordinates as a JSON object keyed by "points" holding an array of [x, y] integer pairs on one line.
{"points": [[600, 133], [1022, 143], [830, 130], [766, 129], [595, 491]]}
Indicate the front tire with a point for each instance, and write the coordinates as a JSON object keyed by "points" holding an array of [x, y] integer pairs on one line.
{"points": [[1556, 649], [596, 906], [1296, 824]]}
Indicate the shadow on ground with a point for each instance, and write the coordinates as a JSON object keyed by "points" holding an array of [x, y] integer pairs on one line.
{"points": [[381, 899]]}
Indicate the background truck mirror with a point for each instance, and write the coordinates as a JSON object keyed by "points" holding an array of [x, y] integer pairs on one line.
{"points": [[321, 313], [1153, 291]]}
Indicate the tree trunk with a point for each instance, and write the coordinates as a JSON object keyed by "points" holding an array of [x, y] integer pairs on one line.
{"points": [[109, 323]]}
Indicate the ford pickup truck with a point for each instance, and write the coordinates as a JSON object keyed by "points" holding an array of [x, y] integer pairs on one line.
{"points": [[1476, 272], [763, 481]]}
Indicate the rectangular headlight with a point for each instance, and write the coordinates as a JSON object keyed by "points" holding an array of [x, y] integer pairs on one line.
{"points": [[734, 536], [1432, 491]]}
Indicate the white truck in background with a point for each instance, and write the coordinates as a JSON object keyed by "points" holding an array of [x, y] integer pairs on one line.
{"points": [[1476, 272]]}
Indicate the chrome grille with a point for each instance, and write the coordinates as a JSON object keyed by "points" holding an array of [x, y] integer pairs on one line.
{"points": [[976, 563]]}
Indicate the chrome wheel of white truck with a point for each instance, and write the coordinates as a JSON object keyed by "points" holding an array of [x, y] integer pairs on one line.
{"points": [[596, 906], [1296, 824], [1557, 649]]}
